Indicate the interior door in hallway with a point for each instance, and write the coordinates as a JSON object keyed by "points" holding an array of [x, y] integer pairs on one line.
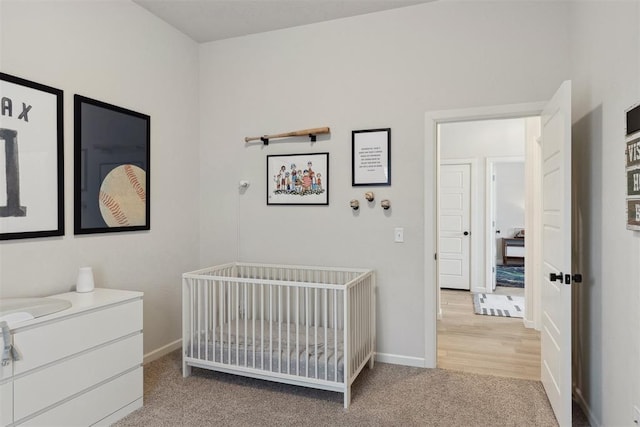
{"points": [[455, 217], [555, 334]]}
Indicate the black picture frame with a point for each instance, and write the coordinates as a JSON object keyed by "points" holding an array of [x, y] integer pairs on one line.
{"points": [[371, 157], [309, 187], [32, 176], [112, 174]]}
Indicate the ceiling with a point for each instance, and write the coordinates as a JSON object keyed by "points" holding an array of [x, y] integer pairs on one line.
{"points": [[209, 20]]}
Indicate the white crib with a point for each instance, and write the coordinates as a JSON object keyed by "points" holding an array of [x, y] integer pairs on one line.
{"points": [[307, 326]]}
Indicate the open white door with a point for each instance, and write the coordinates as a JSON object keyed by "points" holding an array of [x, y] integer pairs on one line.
{"points": [[455, 217], [555, 301]]}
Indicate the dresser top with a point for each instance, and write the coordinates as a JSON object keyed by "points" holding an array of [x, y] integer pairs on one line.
{"points": [[99, 297]]}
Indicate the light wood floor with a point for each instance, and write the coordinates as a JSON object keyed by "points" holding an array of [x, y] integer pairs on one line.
{"points": [[485, 344]]}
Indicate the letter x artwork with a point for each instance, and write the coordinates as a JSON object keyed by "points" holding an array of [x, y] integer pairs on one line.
{"points": [[298, 179], [31, 173]]}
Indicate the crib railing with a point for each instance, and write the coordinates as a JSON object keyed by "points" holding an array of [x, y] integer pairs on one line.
{"points": [[311, 326]]}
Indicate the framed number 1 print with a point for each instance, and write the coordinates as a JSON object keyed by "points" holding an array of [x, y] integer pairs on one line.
{"points": [[31, 169]]}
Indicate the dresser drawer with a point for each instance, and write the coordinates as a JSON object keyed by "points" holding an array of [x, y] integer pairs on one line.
{"points": [[69, 335], [55, 383], [6, 403], [95, 405]]}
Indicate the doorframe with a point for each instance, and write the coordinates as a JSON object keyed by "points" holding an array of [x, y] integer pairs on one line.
{"points": [[431, 202], [473, 221], [490, 200]]}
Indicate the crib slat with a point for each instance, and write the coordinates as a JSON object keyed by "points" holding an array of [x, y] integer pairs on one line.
{"points": [[315, 324], [326, 339], [270, 326], [297, 331], [306, 324], [206, 320], [279, 328], [262, 326], [253, 322], [288, 329]]}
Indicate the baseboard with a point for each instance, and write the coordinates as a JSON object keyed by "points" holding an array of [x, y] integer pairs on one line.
{"points": [[395, 359], [165, 349], [529, 324], [577, 394]]}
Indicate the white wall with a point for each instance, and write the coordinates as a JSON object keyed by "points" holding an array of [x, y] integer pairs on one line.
{"points": [[479, 140], [118, 53], [379, 70], [605, 49]]}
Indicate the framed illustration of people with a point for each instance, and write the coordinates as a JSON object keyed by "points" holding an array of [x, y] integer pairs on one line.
{"points": [[298, 179]]}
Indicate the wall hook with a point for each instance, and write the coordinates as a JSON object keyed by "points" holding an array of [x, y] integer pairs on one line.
{"points": [[369, 196], [355, 205], [386, 204]]}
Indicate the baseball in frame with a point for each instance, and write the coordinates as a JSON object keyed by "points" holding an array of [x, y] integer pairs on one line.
{"points": [[112, 168]]}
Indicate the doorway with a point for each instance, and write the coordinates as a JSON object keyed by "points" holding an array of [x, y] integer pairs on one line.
{"points": [[505, 225], [467, 341]]}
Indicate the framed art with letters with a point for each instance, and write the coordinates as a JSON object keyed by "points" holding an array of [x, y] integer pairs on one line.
{"points": [[632, 163], [31, 169]]}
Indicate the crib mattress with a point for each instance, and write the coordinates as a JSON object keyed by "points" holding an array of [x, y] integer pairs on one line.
{"points": [[274, 347]]}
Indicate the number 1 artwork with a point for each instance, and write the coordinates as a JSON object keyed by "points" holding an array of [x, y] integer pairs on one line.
{"points": [[31, 159]]}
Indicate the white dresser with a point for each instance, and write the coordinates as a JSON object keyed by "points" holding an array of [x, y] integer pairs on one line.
{"points": [[80, 366]]}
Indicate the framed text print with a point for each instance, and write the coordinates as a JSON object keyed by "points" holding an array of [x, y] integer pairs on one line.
{"points": [[31, 165], [298, 179], [371, 157], [632, 164], [112, 176]]}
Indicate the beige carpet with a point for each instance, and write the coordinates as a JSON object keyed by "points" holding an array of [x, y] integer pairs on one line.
{"points": [[388, 395]]}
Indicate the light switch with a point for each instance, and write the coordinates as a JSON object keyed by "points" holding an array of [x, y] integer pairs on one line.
{"points": [[398, 234]]}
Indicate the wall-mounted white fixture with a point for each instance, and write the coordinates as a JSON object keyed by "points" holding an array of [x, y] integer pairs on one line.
{"points": [[355, 205], [386, 204], [85, 280], [369, 196], [243, 184]]}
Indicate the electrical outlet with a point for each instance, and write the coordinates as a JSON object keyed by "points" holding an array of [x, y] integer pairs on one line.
{"points": [[398, 235], [636, 415]]}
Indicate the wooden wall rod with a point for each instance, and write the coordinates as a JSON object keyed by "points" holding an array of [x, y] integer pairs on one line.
{"points": [[311, 133]]}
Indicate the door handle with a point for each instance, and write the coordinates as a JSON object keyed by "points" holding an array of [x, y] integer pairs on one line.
{"points": [[577, 278], [556, 277], [466, 233]]}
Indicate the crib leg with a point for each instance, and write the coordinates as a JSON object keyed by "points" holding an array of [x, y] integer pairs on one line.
{"points": [[371, 360], [347, 398], [186, 370]]}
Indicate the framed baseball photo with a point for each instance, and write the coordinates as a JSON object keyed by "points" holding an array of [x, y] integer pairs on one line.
{"points": [[112, 168], [31, 159]]}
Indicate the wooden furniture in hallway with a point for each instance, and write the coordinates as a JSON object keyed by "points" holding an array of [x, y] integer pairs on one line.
{"points": [[485, 344]]}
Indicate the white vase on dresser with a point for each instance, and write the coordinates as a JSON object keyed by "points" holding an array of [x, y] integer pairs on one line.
{"points": [[78, 367]]}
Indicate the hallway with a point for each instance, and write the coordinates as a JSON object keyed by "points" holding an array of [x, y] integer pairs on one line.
{"points": [[485, 344]]}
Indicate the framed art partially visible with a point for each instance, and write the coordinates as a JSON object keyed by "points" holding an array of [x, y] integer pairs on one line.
{"points": [[112, 168], [298, 179], [32, 165], [371, 157], [632, 164]]}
